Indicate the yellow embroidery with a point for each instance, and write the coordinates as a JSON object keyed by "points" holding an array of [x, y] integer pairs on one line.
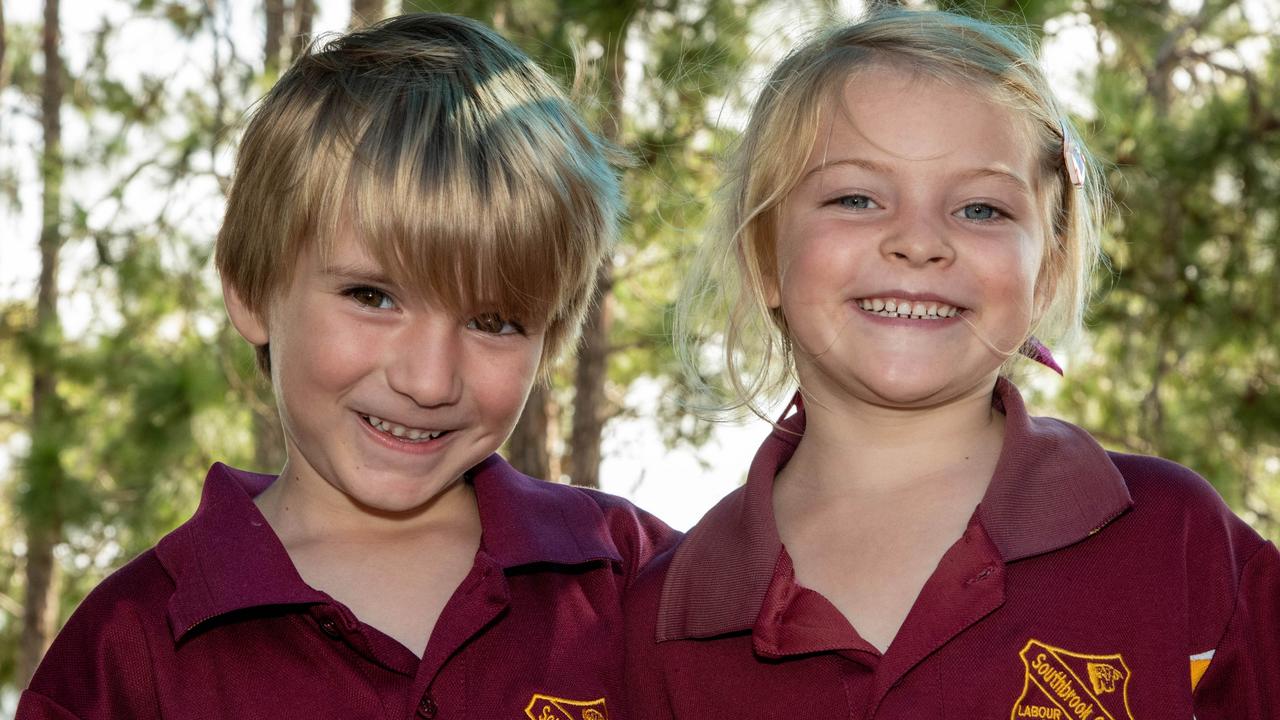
{"points": [[1103, 677], [1064, 685], [546, 707], [1199, 663]]}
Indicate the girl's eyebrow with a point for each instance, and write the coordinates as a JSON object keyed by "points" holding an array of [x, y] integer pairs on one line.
{"points": [[869, 165], [1001, 173], [997, 172]]}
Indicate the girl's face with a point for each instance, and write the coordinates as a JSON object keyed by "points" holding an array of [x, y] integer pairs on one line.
{"points": [[911, 245]]}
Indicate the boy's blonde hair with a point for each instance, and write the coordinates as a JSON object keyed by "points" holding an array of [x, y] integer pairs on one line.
{"points": [[458, 162], [724, 306]]}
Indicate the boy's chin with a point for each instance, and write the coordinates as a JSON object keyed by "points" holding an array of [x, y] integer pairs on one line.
{"points": [[387, 500]]}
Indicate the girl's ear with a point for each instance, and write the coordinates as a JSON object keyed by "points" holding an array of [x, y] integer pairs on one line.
{"points": [[1046, 290], [249, 324], [772, 289]]}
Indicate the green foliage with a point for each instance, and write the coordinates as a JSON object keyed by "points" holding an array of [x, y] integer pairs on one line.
{"points": [[142, 400], [1183, 361]]}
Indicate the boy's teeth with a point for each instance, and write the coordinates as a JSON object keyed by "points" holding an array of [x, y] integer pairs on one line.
{"points": [[401, 431], [890, 307]]}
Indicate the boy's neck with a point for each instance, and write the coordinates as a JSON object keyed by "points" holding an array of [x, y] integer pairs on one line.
{"points": [[394, 572], [302, 510]]}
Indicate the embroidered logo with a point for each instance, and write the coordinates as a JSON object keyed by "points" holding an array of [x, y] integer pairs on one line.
{"points": [[1062, 685], [1199, 664], [545, 707]]}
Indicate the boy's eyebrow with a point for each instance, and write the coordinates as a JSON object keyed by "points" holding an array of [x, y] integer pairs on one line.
{"points": [[359, 273]]}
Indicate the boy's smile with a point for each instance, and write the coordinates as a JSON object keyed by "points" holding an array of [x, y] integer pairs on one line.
{"points": [[912, 242], [386, 399]]}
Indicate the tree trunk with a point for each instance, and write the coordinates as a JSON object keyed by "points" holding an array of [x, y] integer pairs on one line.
{"points": [[44, 467], [4, 71], [366, 12], [527, 448], [502, 17], [589, 380], [304, 13], [593, 358], [275, 35]]}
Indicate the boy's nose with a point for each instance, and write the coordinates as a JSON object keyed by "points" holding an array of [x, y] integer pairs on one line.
{"points": [[918, 241], [425, 365]]}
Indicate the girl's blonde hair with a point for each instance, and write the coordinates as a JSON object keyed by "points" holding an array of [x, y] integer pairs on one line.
{"points": [[723, 310], [461, 166]]}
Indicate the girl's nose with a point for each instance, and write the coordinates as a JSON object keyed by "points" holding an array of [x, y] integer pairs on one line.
{"points": [[425, 362], [918, 241]]}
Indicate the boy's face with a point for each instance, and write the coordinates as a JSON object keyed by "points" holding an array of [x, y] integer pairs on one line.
{"points": [[384, 397]]}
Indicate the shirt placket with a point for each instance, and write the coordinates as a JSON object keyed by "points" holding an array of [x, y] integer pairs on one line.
{"points": [[439, 688], [967, 586]]}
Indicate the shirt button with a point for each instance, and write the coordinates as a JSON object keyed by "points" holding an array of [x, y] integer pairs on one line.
{"points": [[330, 628], [427, 707]]}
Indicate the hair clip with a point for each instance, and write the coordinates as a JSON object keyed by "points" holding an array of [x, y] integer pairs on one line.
{"points": [[1037, 351], [1073, 158]]}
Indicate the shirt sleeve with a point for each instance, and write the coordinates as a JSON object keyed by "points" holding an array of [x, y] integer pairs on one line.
{"points": [[646, 695], [34, 706], [99, 666], [1241, 680]]}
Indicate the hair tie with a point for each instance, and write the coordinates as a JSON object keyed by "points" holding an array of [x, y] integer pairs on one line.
{"points": [[1037, 351], [1073, 158]]}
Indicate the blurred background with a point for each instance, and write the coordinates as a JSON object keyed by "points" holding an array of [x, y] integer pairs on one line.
{"points": [[121, 381]]}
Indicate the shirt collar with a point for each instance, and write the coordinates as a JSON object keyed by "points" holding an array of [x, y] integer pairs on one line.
{"points": [[227, 558], [528, 521], [1053, 486]]}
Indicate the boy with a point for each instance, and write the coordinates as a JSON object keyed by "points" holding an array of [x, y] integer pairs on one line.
{"points": [[413, 232]]}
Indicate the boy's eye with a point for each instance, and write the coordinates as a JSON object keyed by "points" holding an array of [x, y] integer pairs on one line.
{"points": [[980, 211], [856, 202], [371, 297], [494, 324]]}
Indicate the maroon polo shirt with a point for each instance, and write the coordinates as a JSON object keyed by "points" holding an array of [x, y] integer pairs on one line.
{"points": [[215, 622], [1087, 586]]}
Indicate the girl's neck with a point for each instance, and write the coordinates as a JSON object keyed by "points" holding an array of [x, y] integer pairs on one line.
{"points": [[855, 448]]}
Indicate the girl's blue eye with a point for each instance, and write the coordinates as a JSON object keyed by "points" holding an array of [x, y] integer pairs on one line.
{"points": [[371, 297], [856, 202], [494, 324], [980, 212]]}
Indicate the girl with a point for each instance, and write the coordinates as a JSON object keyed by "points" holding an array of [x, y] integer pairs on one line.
{"points": [[907, 207]]}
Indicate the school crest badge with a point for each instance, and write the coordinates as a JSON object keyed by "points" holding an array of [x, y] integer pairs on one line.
{"points": [[1063, 685], [545, 707]]}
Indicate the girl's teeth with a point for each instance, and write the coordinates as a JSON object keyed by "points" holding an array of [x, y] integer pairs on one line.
{"points": [[887, 307]]}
